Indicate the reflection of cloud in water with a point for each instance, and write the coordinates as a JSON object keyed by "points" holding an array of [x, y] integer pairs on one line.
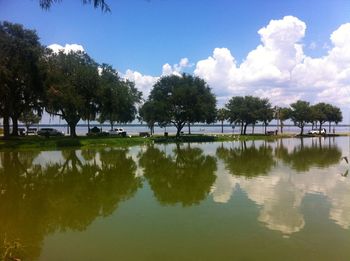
{"points": [[281, 193]]}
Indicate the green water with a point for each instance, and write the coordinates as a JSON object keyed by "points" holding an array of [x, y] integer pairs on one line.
{"points": [[283, 200]]}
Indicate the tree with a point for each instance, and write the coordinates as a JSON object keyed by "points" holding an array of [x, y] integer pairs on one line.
{"points": [[20, 73], [282, 114], [148, 113], [265, 112], [319, 113], [118, 98], [300, 114], [333, 114], [221, 116], [183, 99], [72, 78], [46, 4], [29, 118], [248, 110]]}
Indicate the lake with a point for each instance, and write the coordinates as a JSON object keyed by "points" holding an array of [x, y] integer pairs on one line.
{"points": [[256, 200]]}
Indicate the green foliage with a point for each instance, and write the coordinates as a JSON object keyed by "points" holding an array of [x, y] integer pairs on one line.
{"points": [[46, 4], [182, 99], [248, 110], [300, 114], [29, 118], [117, 98], [20, 72], [71, 86]]}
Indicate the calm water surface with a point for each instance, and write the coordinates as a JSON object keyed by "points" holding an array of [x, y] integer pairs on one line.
{"points": [[282, 200]]}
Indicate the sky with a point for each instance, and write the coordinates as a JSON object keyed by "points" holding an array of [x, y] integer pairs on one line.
{"points": [[282, 50]]}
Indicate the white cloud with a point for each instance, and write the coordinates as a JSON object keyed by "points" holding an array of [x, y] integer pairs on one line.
{"points": [[142, 82], [279, 69], [67, 48], [145, 83]]}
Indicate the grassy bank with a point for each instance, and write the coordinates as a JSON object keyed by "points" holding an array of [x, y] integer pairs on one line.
{"points": [[42, 143]]}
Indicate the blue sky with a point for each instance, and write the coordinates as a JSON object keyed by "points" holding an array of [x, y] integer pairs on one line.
{"points": [[143, 35], [283, 50]]}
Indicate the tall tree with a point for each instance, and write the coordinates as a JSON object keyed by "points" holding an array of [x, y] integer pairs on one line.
{"points": [[282, 114], [46, 4], [248, 110], [20, 73], [265, 112], [333, 114], [300, 114], [222, 116], [118, 98], [319, 113], [183, 99], [71, 77]]}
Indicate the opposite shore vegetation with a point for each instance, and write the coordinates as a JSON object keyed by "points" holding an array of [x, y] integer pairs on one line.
{"points": [[73, 86]]}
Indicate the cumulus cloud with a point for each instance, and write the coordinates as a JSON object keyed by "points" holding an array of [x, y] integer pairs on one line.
{"points": [[279, 69], [145, 82], [67, 48]]}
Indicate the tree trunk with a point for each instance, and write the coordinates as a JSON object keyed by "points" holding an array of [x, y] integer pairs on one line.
{"points": [[179, 127], [320, 126], [281, 126], [253, 128], [6, 125], [329, 127], [111, 122], [265, 128], [88, 125], [72, 127], [189, 128], [222, 126], [14, 126], [242, 128], [301, 129], [245, 129]]}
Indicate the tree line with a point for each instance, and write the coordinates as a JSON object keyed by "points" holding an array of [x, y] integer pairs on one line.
{"points": [[73, 86]]}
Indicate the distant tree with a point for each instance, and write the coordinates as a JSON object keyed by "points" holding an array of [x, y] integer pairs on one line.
{"points": [[29, 118], [333, 114], [265, 112], [222, 116], [248, 110], [148, 113], [46, 4], [300, 114], [71, 79], [183, 99], [118, 98], [282, 114], [20, 73], [319, 113]]}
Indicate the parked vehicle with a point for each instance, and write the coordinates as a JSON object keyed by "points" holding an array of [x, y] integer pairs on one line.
{"points": [[317, 131], [117, 131], [50, 132]]}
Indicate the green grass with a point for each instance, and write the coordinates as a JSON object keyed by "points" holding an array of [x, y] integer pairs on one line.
{"points": [[36, 142], [42, 143]]}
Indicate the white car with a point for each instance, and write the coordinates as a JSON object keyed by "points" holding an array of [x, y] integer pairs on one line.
{"points": [[117, 131], [50, 132], [317, 131]]}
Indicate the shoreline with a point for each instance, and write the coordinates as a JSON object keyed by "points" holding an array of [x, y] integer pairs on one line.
{"points": [[42, 143]]}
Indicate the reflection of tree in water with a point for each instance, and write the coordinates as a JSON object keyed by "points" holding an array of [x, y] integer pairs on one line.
{"points": [[247, 161], [302, 158], [186, 177], [36, 200]]}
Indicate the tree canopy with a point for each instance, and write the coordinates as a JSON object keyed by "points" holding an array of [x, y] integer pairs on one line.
{"points": [[46, 4], [182, 99], [20, 72], [248, 110], [72, 79]]}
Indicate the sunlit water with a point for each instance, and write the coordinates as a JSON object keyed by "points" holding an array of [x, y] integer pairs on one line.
{"points": [[283, 200]]}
